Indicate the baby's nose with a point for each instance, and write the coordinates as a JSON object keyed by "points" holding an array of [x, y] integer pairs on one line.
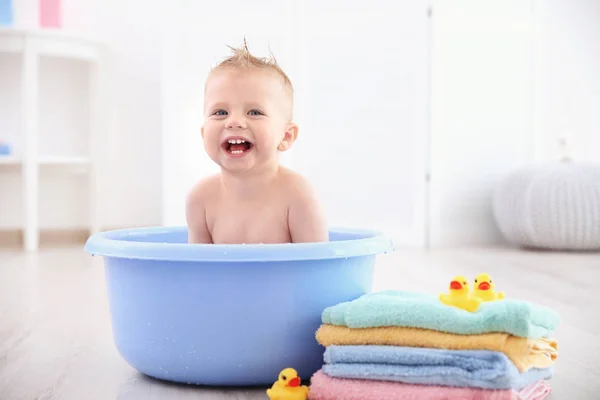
{"points": [[236, 123]]}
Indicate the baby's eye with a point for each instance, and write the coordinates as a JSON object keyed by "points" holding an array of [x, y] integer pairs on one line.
{"points": [[220, 112], [255, 112]]}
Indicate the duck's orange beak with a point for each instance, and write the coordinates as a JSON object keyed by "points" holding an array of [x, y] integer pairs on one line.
{"points": [[484, 286], [294, 382], [456, 285]]}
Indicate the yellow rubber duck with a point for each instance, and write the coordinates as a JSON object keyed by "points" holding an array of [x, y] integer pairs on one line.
{"points": [[288, 387], [484, 288], [459, 295]]}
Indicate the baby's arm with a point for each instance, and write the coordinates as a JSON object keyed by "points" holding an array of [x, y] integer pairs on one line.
{"points": [[306, 217], [195, 213]]}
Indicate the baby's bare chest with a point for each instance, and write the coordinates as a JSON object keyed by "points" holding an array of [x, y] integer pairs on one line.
{"points": [[243, 223]]}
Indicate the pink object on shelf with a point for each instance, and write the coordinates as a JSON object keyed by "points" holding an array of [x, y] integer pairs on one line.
{"points": [[50, 16]]}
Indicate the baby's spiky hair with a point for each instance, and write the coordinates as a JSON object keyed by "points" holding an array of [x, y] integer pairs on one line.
{"points": [[242, 58]]}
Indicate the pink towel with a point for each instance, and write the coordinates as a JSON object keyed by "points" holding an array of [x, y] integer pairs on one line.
{"points": [[536, 391], [324, 387]]}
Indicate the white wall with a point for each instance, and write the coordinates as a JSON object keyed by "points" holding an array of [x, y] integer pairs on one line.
{"points": [[365, 82], [361, 101], [495, 105], [568, 78], [509, 78], [131, 171], [482, 112]]}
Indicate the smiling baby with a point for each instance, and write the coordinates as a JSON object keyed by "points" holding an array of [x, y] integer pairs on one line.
{"points": [[248, 110]]}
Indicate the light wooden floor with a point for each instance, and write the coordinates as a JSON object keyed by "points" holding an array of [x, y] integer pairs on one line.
{"points": [[56, 343]]}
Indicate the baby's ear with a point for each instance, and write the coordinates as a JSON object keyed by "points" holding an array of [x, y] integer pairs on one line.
{"points": [[289, 137]]}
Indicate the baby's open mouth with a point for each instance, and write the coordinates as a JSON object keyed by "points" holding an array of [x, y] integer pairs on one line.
{"points": [[237, 146]]}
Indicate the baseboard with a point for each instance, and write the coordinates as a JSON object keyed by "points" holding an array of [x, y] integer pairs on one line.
{"points": [[13, 238]]}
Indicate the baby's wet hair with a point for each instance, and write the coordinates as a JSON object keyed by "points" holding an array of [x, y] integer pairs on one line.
{"points": [[242, 58]]}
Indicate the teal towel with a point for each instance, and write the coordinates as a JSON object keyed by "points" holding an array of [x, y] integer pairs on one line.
{"points": [[420, 310]]}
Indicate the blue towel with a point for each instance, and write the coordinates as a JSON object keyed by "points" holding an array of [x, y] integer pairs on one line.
{"points": [[419, 310], [462, 368]]}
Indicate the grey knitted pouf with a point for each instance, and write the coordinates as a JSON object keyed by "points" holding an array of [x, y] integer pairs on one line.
{"points": [[553, 206]]}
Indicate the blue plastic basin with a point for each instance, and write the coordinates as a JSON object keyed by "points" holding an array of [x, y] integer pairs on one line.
{"points": [[232, 315]]}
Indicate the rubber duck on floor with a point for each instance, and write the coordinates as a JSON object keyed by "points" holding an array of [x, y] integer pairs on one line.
{"points": [[484, 288], [459, 295], [288, 387]]}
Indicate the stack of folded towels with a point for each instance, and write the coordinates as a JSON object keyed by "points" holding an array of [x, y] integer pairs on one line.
{"points": [[404, 345]]}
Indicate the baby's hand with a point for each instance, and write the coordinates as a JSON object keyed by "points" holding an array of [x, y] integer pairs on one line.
{"points": [[306, 218]]}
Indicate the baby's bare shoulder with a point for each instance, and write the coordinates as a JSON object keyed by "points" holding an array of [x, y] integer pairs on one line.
{"points": [[195, 209], [295, 184], [306, 217], [203, 190]]}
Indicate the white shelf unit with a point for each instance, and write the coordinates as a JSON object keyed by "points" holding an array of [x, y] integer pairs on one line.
{"points": [[32, 48]]}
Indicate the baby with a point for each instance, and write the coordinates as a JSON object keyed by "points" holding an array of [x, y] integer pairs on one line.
{"points": [[248, 123]]}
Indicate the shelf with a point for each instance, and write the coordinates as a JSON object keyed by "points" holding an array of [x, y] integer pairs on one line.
{"points": [[48, 42], [64, 161], [37, 52], [10, 160]]}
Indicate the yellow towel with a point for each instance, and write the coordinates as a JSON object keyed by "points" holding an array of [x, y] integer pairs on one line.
{"points": [[524, 353]]}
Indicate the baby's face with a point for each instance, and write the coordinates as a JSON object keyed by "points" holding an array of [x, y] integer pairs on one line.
{"points": [[246, 122]]}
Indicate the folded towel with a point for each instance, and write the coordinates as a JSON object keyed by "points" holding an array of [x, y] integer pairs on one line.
{"points": [[524, 353], [462, 368], [420, 310], [324, 387], [538, 391]]}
